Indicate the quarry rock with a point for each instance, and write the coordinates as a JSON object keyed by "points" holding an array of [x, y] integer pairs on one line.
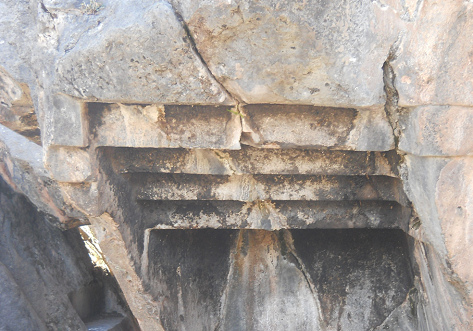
{"points": [[223, 165], [147, 45], [42, 269]]}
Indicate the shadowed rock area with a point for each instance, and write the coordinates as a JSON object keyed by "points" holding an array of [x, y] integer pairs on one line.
{"points": [[260, 280], [48, 281]]}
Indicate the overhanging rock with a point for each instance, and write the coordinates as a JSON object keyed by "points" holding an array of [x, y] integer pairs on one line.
{"points": [[249, 165]]}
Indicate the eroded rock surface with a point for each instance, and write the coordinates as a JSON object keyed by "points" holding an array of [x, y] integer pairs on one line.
{"points": [[223, 153], [47, 279]]}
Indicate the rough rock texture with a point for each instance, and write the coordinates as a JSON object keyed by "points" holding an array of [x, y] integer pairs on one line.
{"points": [[47, 279], [211, 145], [16, 108], [145, 42], [326, 53], [434, 62], [261, 280]]}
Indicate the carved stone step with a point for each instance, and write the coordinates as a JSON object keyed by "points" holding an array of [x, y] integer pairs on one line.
{"points": [[274, 215], [265, 187], [250, 160]]}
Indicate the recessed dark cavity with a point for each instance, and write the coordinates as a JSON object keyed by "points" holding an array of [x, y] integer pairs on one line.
{"points": [[256, 279]]}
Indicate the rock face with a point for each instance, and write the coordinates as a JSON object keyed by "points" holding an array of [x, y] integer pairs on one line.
{"points": [[47, 281], [271, 165]]}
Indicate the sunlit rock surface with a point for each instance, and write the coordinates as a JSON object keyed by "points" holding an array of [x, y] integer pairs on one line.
{"points": [[271, 165]]}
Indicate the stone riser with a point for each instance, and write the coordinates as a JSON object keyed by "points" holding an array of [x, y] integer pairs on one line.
{"points": [[265, 187], [250, 160], [274, 215]]}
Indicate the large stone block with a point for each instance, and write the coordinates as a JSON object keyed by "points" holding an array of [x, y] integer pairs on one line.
{"points": [[288, 126], [139, 52], [66, 121], [68, 164], [22, 168], [328, 53], [164, 126], [434, 62]]}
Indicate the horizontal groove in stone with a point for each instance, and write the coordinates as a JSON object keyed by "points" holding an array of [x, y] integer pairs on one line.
{"points": [[250, 160], [275, 214], [265, 187]]}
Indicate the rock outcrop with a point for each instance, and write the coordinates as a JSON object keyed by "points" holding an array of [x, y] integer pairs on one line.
{"points": [[272, 165]]}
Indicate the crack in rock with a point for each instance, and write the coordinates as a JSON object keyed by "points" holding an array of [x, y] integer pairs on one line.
{"points": [[190, 40]]}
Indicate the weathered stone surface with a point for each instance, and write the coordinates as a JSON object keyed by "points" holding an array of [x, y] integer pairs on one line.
{"points": [[128, 75], [440, 190], [189, 276], [16, 312], [16, 107], [420, 189], [442, 304], [22, 168], [433, 66], [437, 130], [140, 53], [85, 197], [454, 201], [68, 164], [266, 187], [45, 262], [364, 271], [249, 160], [258, 298], [276, 215], [261, 280], [164, 126], [317, 52], [144, 308], [66, 122], [276, 126]]}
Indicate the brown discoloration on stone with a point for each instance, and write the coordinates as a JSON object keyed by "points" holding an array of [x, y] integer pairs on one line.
{"points": [[275, 215], [291, 126], [265, 187], [257, 295], [16, 107], [249, 160], [178, 126]]}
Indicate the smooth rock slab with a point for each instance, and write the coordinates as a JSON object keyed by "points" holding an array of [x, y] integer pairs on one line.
{"points": [[288, 126], [164, 126], [433, 65], [437, 131], [250, 160], [327, 53], [274, 215]]}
